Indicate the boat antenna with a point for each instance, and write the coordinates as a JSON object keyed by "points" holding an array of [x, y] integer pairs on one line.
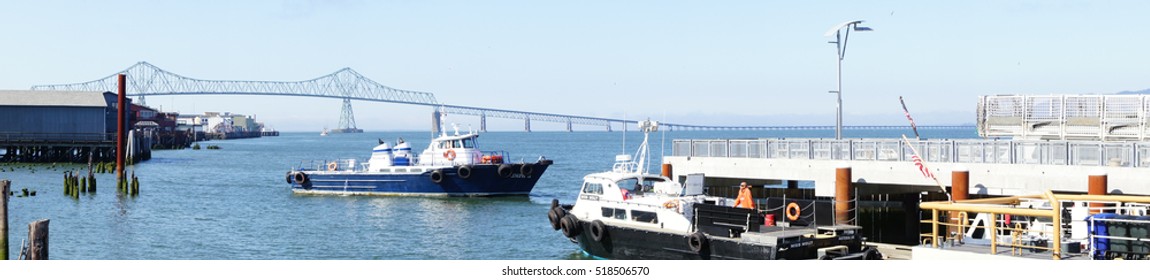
{"points": [[644, 152]]}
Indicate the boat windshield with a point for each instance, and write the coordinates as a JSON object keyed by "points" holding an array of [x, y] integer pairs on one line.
{"points": [[468, 143], [639, 185]]}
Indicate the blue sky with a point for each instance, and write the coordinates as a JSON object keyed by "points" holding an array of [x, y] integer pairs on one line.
{"points": [[701, 62]]}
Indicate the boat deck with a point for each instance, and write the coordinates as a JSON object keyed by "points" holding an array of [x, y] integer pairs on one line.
{"points": [[981, 250]]}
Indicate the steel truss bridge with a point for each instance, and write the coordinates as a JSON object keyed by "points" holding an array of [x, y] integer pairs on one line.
{"points": [[145, 79]]}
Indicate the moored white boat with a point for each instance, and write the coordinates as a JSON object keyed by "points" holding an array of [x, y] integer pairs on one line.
{"points": [[626, 213]]}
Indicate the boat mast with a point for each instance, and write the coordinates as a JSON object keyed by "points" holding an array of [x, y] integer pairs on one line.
{"points": [[644, 153]]}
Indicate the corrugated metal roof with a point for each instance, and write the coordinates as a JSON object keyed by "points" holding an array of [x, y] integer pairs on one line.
{"points": [[52, 98]]}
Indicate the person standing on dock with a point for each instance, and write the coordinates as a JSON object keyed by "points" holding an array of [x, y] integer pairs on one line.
{"points": [[745, 200]]}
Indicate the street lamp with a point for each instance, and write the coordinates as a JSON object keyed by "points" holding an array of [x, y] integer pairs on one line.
{"points": [[841, 46]]}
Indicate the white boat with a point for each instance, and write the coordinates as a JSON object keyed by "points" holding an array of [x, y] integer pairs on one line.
{"points": [[452, 165], [626, 213], [324, 132]]}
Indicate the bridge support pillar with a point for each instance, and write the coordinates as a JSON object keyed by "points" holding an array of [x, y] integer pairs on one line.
{"points": [[843, 195], [483, 123], [1097, 186], [527, 124], [569, 125]]}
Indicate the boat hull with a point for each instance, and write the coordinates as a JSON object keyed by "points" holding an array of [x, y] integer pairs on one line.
{"points": [[644, 244], [485, 180]]}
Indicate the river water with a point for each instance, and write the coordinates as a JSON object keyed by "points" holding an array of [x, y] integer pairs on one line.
{"points": [[233, 203]]}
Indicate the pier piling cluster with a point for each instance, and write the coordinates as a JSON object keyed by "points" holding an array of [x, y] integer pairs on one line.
{"points": [[75, 184], [129, 186]]}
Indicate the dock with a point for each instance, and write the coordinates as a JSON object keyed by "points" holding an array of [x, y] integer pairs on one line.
{"points": [[1067, 145]]}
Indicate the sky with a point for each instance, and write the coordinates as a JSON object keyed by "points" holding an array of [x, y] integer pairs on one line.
{"points": [[693, 62]]}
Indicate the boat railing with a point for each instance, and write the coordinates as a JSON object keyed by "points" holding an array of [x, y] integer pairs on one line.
{"points": [[350, 164], [1047, 232], [493, 157], [1081, 153]]}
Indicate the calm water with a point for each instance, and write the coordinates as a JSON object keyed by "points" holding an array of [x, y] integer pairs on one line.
{"points": [[233, 203]]}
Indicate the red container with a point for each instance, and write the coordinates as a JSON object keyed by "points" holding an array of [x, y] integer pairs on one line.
{"points": [[769, 220]]}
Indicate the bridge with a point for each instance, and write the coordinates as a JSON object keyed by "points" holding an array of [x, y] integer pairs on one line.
{"points": [[145, 79]]}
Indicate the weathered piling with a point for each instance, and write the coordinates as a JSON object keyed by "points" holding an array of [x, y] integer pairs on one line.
{"points": [[4, 184], [91, 183], [38, 235], [135, 185]]}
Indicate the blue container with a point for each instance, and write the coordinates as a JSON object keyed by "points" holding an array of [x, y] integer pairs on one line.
{"points": [[1101, 245]]}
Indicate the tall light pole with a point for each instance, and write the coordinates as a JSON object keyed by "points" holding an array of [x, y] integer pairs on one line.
{"points": [[841, 47]]}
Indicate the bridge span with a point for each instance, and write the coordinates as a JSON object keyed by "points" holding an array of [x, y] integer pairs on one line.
{"points": [[145, 79]]}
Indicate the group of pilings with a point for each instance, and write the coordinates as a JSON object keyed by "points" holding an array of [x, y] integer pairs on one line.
{"points": [[75, 184]]}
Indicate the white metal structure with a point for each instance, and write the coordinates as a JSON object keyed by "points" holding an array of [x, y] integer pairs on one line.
{"points": [[1065, 117]]}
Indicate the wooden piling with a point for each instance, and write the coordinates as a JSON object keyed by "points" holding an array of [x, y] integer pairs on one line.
{"points": [[91, 183], [38, 236], [135, 185], [4, 185]]}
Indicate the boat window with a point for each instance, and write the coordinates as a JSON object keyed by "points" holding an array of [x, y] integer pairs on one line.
{"points": [[469, 143], [457, 144], [592, 188], [644, 216], [614, 213]]}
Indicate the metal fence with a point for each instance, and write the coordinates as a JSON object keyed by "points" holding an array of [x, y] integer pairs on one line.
{"points": [[1085, 153]]}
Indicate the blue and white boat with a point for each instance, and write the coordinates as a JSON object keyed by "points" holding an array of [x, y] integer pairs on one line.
{"points": [[452, 165]]}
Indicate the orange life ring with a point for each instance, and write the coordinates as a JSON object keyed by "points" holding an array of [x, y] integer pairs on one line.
{"points": [[333, 166], [793, 211], [449, 154]]}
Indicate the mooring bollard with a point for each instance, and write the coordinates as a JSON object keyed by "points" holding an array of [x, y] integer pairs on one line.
{"points": [[4, 219]]}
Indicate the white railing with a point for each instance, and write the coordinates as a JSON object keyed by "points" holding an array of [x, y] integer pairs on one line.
{"points": [[1086, 153]]}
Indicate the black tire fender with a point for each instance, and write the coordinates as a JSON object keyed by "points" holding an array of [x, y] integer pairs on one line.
{"points": [[505, 170], [697, 242], [570, 226], [554, 216], [464, 172], [598, 231], [301, 178], [437, 176]]}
